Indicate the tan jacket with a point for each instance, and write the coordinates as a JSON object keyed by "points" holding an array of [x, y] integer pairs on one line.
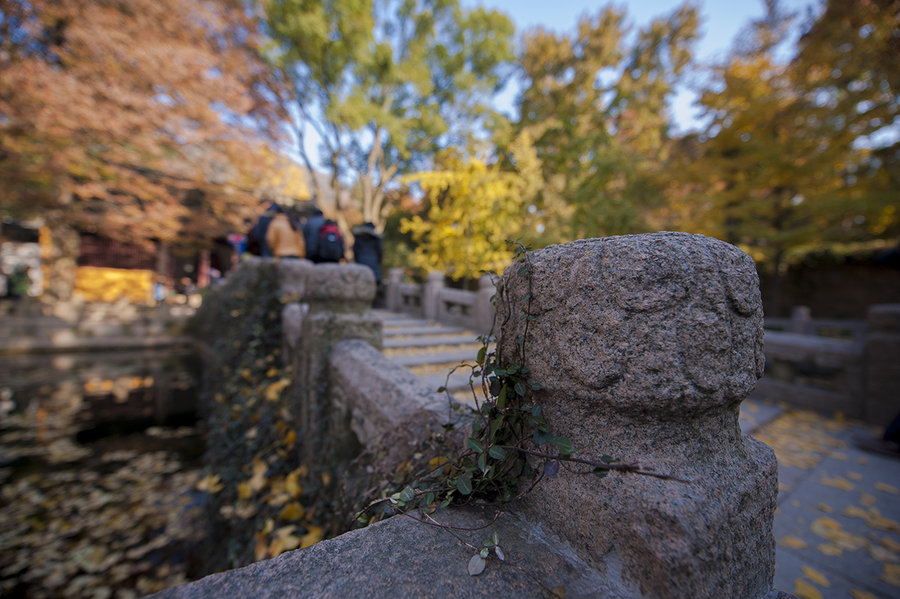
{"points": [[283, 239]]}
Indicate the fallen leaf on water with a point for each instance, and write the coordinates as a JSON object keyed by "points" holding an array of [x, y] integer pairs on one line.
{"points": [[862, 594], [829, 549], [854, 475], [891, 544], [868, 499], [815, 576], [822, 507], [792, 542], [804, 590]]}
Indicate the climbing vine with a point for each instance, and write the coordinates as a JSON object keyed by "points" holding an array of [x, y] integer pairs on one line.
{"points": [[509, 447]]}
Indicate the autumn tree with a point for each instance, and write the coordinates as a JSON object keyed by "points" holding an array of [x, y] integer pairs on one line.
{"points": [[474, 209], [135, 120], [384, 84], [789, 162], [595, 103]]}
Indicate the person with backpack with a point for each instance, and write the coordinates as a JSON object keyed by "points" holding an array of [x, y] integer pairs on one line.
{"points": [[330, 243], [311, 234], [284, 237]]}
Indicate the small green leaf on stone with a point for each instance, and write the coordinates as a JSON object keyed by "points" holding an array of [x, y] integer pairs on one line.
{"points": [[476, 565], [499, 553], [464, 484]]}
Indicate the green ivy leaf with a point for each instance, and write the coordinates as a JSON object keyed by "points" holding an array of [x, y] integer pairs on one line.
{"points": [[480, 358], [476, 565], [541, 435], [497, 452], [464, 484], [600, 472], [565, 445], [475, 444], [520, 389], [482, 462]]}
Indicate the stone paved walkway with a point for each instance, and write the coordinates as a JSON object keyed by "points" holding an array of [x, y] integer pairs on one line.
{"points": [[837, 526]]}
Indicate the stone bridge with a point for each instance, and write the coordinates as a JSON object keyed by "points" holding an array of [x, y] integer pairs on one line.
{"points": [[643, 346]]}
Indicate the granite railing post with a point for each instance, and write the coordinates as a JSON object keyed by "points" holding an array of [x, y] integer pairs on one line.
{"points": [[644, 347], [332, 304], [392, 296], [484, 309], [882, 366], [430, 295]]}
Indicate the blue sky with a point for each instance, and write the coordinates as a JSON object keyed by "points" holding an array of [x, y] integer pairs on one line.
{"points": [[721, 20]]}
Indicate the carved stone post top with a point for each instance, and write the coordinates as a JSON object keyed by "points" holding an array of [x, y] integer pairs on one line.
{"points": [[395, 274], [436, 277], [643, 325], [339, 287]]}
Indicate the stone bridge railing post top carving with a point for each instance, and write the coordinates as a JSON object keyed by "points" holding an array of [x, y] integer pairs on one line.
{"points": [[645, 346]]}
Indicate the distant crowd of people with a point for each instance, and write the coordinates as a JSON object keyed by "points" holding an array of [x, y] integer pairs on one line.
{"points": [[280, 233]]}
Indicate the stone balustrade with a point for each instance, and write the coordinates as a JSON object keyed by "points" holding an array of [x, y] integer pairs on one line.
{"points": [[433, 300], [643, 348]]}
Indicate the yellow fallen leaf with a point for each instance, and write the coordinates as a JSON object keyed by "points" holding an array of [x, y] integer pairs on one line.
{"points": [[891, 574], [822, 507], [868, 499], [792, 542], [891, 544], [326, 479], [854, 475], [883, 554], [815, 576], [862, 594], [840, 455], [887, 488], [829, 549], [804, 590], [837, 482]]}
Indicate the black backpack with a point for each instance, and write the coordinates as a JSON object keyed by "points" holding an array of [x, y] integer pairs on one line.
{"points": [[331, 244]]}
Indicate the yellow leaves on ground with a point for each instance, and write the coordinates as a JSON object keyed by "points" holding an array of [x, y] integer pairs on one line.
{"points": [[831, 529], [804, 590], [815, 576], [873, 518], [887, 488], [292, 482], [313, 535], [792, 542], [862, 594], [837, 482], [891, 574], [797, 438]]}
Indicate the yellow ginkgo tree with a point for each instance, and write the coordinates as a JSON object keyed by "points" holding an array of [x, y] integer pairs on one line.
{"points": [[474, 208]]}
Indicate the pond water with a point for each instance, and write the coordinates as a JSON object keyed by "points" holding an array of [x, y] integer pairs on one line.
{"points": [[99, 459]]}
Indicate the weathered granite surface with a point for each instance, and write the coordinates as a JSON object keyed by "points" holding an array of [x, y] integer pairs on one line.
{"points": [[401, 557], [645, 346]]}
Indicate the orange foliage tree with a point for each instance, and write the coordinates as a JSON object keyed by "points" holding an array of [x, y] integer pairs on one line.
{"points": [[140, 120]]}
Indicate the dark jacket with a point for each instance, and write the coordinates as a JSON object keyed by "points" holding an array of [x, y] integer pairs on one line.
{"points": [[368, 248], [311, 235]]}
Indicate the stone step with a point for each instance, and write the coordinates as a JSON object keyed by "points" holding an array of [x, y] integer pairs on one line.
{"points": [[421, 330], [458, 381], [450, 357], [426, 340]]}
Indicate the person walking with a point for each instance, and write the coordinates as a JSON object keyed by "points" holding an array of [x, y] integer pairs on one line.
{"points": [[284, 237], [368, 250], [311, 234]]}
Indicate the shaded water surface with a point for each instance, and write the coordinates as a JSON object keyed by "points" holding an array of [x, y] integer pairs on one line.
{"points": [[99, 458]]}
